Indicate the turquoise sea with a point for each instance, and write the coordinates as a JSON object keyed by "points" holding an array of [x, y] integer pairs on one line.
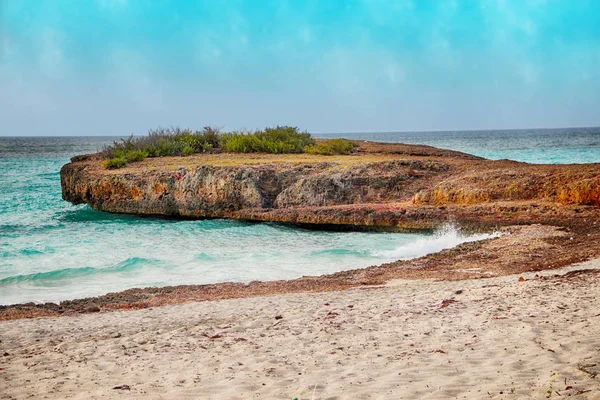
{"points": [[536, 146], [51, 250]]}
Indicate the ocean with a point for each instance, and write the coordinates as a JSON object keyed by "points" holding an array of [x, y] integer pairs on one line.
{"points": [[51, 250], [536, 146]]}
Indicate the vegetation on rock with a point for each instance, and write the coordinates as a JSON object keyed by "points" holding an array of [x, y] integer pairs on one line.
{"points": [[158, 143], [115, 162], [184, 142], [331, 147], [278, 140]]}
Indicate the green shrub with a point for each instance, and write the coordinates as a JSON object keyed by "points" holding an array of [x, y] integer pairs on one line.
{"points": [[135, 155], [319, 149], [122, 157], [284, 139], [331, 147], [239, 142], [211, 136], [113, 163], [177, 142], [166, 142], [341, 146], [187, 150], [278, 140]]}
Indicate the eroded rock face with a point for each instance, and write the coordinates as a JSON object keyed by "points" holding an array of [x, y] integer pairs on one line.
{"points": [[564, 184], [212, 191], [360, 183]]}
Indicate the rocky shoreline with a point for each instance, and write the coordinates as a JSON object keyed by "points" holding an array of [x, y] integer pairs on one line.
{"points": [[549, 214]]}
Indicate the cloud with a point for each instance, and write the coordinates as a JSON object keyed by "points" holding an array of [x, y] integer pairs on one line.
{"points": [[305, 35], [207, 50], [129, 76], [113, 4], [394, 72], [50, 53], [7, 49], [529, 72], [357, 75], [384, 12]]}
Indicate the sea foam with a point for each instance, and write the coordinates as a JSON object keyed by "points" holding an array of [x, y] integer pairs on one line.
{"points": [[446, 237]]}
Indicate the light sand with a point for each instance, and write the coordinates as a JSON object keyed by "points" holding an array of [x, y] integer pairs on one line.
{"points": [[500, 338]]}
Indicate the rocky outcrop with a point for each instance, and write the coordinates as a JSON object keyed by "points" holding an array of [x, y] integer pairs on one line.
{"points": [[397, 186]]}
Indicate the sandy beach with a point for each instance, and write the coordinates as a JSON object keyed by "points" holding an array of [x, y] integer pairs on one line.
{"points": [[498, 338]]}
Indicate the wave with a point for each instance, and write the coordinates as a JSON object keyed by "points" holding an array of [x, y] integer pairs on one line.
{"points": [[86, 214], [30, 252], [341, 252], [52, 175], [203, 257], [445, 238], [59, 274], [128, 265], [27, 252], [131, 264], [18, 230], [9, 228]]}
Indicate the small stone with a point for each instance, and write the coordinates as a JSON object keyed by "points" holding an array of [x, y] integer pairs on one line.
{"points": [[92, 309]]}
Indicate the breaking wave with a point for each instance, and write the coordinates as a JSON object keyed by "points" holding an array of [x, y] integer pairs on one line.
{"points": [[129, 265], [445, 238]]}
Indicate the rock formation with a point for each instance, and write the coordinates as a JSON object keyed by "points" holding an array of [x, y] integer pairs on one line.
{"points": [[391, 185]]}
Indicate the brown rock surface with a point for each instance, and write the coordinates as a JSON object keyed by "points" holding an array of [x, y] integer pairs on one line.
{"points": [[390, 185]]}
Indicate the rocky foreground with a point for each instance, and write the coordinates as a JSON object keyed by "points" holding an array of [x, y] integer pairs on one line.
{"points": [[549, 214]]}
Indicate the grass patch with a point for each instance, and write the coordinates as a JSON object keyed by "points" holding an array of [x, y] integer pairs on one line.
{"points": [[184, 142]]}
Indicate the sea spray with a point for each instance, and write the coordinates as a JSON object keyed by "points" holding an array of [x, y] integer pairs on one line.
{"points": [[446, 237]]}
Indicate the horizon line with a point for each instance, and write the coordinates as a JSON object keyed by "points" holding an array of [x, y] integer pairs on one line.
{"points": [[326, 133]]}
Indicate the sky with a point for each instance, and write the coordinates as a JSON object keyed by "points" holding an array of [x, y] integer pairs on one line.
{"points": [[116, 67]]}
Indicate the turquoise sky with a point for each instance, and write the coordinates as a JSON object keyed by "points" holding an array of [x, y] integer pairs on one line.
{"points": [[114, 67]]}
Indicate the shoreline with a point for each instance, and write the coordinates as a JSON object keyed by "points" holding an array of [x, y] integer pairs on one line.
{"points": [[519, 249]]}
